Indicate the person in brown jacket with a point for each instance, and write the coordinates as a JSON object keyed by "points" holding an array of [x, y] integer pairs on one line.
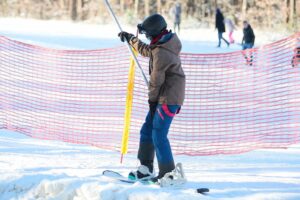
{"points": [[166, 95]]}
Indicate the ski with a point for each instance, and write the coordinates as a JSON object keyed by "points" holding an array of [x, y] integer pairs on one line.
{"points": [[119, 177]]}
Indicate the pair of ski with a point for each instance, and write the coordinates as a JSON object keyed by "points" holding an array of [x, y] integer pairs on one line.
{"points": [[119, 177]]}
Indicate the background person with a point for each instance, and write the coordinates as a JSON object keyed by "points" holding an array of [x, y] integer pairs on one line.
{"points": [[248, 37], [176, 16], [230, 27], [220, 26]]}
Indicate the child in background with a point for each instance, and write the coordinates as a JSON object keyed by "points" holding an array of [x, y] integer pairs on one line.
{"points": [[230, 27]]}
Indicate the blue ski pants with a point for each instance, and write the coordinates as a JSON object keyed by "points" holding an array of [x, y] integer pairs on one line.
{"points": [[155, 132]]}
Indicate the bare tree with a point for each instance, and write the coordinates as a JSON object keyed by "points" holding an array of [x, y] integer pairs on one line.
{"points": [[136, 8], [122, 6], [286, 11], [297, 14], [73, 7], [147, 7], [3, 7], [292, 12], [259, 12], [158, 6], [244, 9]]}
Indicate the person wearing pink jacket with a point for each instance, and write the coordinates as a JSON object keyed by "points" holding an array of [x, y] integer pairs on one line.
{"points": [[230, 27]]}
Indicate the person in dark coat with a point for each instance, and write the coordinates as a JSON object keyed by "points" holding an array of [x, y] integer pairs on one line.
{"points": [[176, 15], [248, 42], [220, 26], [296, 57], [249, 37]]}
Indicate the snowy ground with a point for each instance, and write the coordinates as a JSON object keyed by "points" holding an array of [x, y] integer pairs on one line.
{"points": [[39, 169]]}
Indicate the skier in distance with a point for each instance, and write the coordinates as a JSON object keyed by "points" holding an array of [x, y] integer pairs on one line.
{"points": [[248, 41], [220, 26]]}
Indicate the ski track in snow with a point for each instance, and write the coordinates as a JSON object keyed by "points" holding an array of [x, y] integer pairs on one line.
{"points": [[39, 169]]}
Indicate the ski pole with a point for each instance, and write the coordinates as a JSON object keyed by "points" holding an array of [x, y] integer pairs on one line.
{"points": [[128, 45]]}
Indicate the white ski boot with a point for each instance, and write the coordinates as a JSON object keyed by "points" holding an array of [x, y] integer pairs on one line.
{"points": [[174, 178]]}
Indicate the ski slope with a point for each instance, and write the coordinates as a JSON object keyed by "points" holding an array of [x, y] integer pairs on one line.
{"points": [[39, 169]]}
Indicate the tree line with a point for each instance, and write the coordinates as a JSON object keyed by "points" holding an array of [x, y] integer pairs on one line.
{"points": [[265, 13]]}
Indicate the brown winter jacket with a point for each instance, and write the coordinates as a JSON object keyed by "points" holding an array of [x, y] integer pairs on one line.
{"points": [[167, 79]]}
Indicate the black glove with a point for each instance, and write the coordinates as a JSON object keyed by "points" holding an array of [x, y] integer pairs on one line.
{"points": [[125, 36], [152, 107]]}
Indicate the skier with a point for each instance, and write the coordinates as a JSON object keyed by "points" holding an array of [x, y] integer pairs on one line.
{"points": [[230, 26], [220, 26], [249, 37], [166, 95], [296, 57], [248, 41], [176, 15]]}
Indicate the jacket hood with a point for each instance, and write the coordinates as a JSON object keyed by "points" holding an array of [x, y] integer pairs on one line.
{"points": [[248, 27], [170, 42]]}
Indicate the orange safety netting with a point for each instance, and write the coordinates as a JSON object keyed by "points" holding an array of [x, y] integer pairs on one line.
{"points": [[235, 102]]}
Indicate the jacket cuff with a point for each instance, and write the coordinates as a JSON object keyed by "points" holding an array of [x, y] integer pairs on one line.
{"points": [[133, 40]]}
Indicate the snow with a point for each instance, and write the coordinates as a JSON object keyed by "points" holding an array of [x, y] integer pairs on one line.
{"points": [[67, 35], [39, 169]]}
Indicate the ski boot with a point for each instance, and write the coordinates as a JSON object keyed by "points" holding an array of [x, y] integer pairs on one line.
{"points": [[141, 174], [174, 178]]}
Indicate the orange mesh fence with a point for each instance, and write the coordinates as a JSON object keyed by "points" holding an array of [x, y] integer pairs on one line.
{"points": [[235, 102]]}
